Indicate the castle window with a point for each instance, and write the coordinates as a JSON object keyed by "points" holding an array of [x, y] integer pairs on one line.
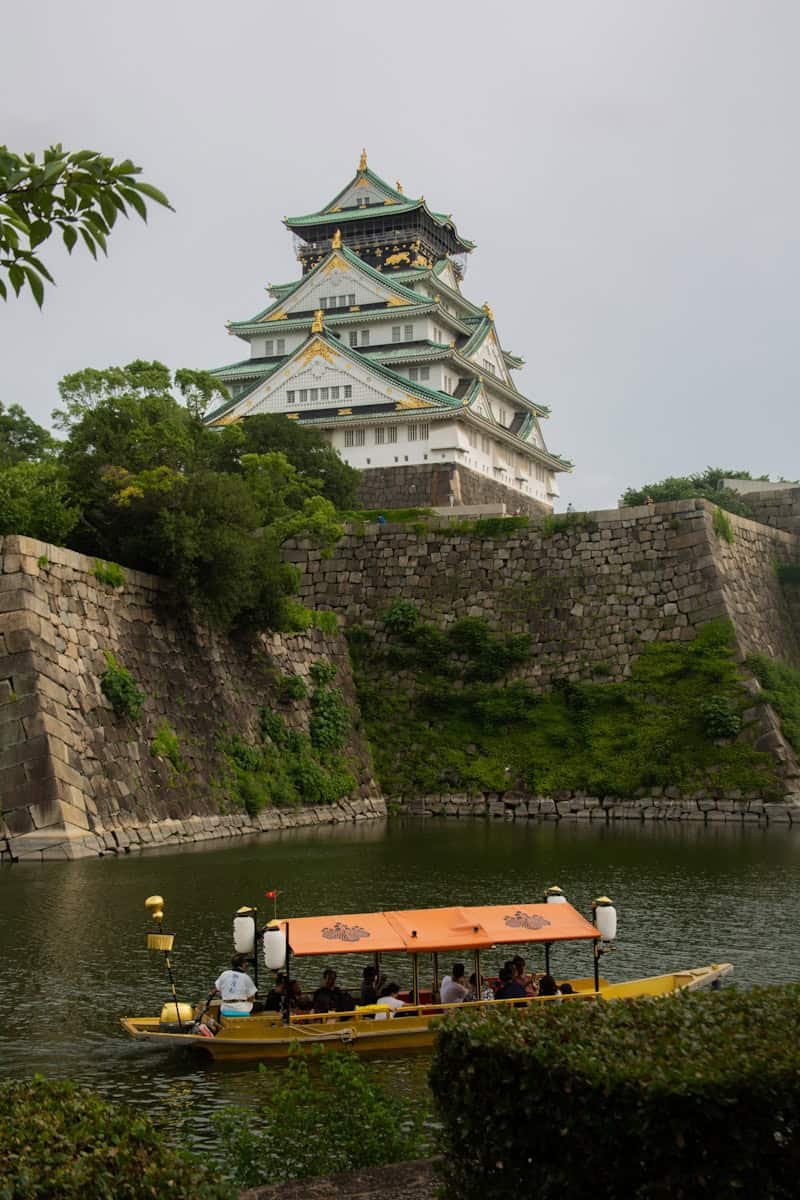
{"points": [[348, 437], [351, 299], [267, 349], [485, 446], [391, 435], [353, 335], [280, 346], [303, 395], [358, 437], [413, 373], [290, 397], [412, 433], [334, 393], [424, 372], [364, 337], [408, 333], [397, 333], [313, 395], [379, 436], [348, 392], [323, 394], [424, 432]]}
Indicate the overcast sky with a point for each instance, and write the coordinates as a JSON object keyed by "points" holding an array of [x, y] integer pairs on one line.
{"points": [[627, 168]]}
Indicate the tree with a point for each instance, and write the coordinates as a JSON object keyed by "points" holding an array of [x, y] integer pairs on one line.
{"points": [[81, 193], [21, 439], [705, 485], [305, 449], [34, 501]]}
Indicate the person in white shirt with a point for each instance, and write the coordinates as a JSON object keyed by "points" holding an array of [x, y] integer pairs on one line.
{"points": [[454, 989], [391, 1000], [236, 988]]}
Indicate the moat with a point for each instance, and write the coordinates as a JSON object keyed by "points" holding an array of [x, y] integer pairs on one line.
{"points": [[72, 938]]}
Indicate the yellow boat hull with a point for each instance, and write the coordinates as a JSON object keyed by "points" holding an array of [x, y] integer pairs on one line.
{"points": [[266, 1036]]}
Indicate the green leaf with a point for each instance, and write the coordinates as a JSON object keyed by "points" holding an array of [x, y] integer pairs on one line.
{"points": [[3, 290], [108, 207], [40, 231], [36, 285], [90, 246], [135, 200], [70, 236], [16, 277], [153, 192]]}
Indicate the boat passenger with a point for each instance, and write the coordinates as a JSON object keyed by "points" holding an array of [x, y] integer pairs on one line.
{"points": [[521, 976], [510, 988], [454, 989], [274, 1000], [390, 998], [485, 992], [325, 997], [548, 986], [237, 989], [566, 989], [371, 985]]}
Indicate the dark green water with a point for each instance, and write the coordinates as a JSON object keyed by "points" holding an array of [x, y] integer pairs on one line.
{"points": [[72, 936]]}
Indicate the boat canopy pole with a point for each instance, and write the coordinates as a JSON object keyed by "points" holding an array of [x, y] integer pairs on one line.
{"points": [[287, 991], [547, 946], [435, 984], [415, 978], [478, 989]]}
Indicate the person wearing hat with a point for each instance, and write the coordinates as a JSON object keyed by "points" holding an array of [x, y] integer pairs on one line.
{"points": [[237, 989]]}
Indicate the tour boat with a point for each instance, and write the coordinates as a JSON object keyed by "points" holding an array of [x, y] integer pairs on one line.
{"points": [[417, 933]]}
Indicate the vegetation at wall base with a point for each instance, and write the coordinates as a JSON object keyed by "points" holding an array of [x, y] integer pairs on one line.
{"points": [[686, 1096], [325, 1113], [60, 1142], [780, 687], [121, 690], [461, 722]]}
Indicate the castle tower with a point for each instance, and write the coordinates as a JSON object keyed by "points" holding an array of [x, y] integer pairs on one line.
{"points": [[378, 348]]}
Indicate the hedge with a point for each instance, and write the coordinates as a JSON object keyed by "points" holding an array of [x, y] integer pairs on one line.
{"points": [[685, 1096], [61, 1142]]}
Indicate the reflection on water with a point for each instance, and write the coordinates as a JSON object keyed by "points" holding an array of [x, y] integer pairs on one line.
{"points": [[73, 956]]}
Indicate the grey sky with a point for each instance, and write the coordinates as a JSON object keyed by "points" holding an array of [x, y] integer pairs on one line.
{"points": [[628, 169]]}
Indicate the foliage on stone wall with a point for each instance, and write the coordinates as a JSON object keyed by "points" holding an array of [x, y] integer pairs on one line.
{"points": [[461, 722], [780, 687], [121, 689], [683, 1096], [287, 767]]}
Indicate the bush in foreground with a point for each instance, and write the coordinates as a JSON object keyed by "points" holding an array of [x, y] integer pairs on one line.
{"points": [[60, 1142], [687, 1096]]}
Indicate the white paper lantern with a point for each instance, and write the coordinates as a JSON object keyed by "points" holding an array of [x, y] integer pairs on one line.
{"points": [[274, 947], [554, 895], [606, 919], [244, 932]]}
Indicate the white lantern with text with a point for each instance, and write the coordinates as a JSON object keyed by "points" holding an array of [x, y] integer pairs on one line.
{"points": [[274, 947], [605, 918]]}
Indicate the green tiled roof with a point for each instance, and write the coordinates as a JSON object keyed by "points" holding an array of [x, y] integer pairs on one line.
{"points": [[355, 261], [375, 180], [308, 220]]}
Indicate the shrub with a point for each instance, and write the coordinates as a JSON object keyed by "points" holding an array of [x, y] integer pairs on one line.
{"points": [[324, 620], [323, 1114], [720, 718], [166, 744], [120, 689], [291, 687], [690, 1095], [60, 1142], [401, 616], [788, 572], [322, 672], [722, 525], [108, 573], [329, 723]]}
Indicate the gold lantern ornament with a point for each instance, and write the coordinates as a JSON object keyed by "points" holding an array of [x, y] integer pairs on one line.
{"points": [[158, 941]]}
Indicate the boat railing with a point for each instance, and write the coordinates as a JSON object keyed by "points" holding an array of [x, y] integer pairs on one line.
{"points": [[432, 1009]]}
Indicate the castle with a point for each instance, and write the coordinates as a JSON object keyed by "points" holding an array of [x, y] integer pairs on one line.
{"points": [[377, 347]]}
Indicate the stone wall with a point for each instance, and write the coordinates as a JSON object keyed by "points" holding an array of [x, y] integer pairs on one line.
{"points": [[431, 485], [590, 588], [74, 777], [779, 509]]}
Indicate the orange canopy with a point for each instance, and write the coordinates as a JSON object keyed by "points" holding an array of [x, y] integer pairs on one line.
{"points": [[506, 923], [432, 929]]}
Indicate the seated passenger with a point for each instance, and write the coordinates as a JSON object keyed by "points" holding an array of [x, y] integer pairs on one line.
{"points": [[510, 988], [566, 989], [343, 1002], [454, 988], [521, 976], [371, 984], [324, 999], [236, 989], [548, 986], [274, 1000], [390, 998], [482, 993]]}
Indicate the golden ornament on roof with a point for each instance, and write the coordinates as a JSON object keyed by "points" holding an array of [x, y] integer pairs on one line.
{"points": [[336, 240], [399, 186], [318, 324], [362, 162], [488, 312]]}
